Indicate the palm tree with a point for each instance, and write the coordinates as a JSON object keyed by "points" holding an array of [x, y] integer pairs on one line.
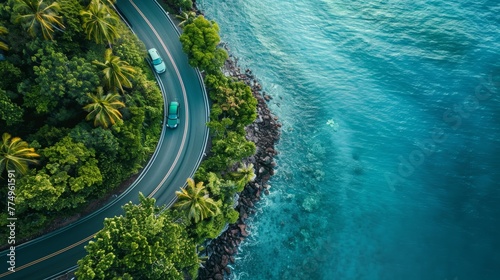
{"points": [[3, 45], [195, 202], [104, 109], [186, 18], [99, 23], [247, 172], [244, 174], [34, 14], [116, 71], [15, 154]]}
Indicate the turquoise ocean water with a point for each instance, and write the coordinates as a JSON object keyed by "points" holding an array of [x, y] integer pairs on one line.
{"points": [[389, 162]]}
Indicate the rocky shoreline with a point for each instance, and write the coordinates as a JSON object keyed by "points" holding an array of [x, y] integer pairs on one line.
{"points": [[264, 132]]}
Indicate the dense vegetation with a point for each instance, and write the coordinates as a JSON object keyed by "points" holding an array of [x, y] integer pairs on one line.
{"points": [[233, 108], [79, 109], [176, 6], [145, 243]]}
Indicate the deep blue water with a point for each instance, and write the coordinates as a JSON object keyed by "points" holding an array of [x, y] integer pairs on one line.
{"points": [[408, 185]]}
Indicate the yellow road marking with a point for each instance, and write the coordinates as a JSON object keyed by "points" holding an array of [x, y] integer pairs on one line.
{"points": [[48, 256]]}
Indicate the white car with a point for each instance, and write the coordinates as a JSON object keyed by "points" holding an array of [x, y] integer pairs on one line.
{"points": [[158, 63]]}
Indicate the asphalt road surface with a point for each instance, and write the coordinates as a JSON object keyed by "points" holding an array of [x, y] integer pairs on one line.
{"points": [[178, 155]]}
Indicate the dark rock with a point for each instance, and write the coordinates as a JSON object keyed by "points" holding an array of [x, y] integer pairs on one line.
{"points": [[243, 230], [262, 171], [225, 260]]}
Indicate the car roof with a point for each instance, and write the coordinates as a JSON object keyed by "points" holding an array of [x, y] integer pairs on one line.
{"points": [[153, 53], [173, 106]]}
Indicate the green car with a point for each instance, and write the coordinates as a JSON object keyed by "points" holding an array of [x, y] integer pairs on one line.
{"points": [[173, 114]]}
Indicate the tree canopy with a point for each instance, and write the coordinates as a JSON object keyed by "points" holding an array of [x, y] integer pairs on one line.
{"points": [[15, 154], [116, 72], [103, 109], [3, 44], [144, 243], [99, 23], [200, 39], [70, 173], [37, 15], [195, 202]]}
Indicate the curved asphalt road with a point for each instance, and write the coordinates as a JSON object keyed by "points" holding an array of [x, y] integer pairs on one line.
{"points": [[177, 157]]}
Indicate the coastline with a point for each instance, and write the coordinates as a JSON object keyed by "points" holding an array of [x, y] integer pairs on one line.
{"points": [[265, 133]]}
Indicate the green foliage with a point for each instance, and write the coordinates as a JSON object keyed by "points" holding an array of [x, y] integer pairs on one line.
{"points": [[72, 36], [3, 44], [186, 18], [233, 99], [229, 150], [210, 228], [59, 82], [75, 160], [48, 135], [38, 16], [232, 216], [195, 202], [100, 23], [223, 192], [15, 154], [116, 72], [129, 48], [104, 143], [233, 108], [10, 76], [244, 175], [37, 192], [176, 5], [11, 113], [130, 138], [104, 109], [81, 77], [199, 41], [145, 243], [69, 175]]}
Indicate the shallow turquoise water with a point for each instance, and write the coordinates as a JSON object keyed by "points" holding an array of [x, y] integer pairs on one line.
{"points": [[407, 186]]}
